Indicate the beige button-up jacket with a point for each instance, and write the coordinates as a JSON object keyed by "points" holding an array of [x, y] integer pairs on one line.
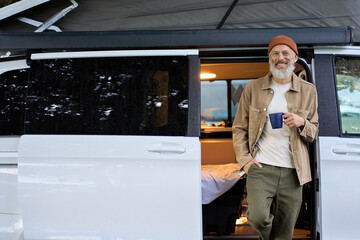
{"points": [[251, 115]]}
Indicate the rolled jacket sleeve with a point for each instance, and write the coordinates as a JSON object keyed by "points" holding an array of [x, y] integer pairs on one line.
{"points": [[311, 128]]}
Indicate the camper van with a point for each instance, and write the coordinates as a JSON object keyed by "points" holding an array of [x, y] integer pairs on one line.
{"points": [[127, 135]]}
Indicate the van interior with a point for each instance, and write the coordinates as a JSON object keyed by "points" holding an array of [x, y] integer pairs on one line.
{"points": [[224, 215]]}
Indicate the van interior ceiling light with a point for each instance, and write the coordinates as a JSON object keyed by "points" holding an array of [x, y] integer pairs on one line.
{"points": [[207, 75]]}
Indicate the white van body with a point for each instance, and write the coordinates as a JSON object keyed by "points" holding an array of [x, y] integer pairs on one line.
{"points": [[103, 186], [339, 163]]}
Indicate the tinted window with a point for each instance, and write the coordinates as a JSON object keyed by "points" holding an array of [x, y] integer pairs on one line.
{"points": [[215, 99], [123, 96], [348, 90], [13, 86]]}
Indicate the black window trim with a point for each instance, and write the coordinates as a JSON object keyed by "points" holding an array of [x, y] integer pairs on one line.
{"points": [[327, 96]]}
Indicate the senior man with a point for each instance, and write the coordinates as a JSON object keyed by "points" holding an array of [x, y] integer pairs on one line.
{"points": [[276, 161]]}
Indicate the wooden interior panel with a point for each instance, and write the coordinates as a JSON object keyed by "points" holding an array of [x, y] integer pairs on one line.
{"points": [[217, 151]]}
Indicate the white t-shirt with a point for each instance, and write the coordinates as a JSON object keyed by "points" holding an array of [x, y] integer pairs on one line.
{"points": [[274, 144]]}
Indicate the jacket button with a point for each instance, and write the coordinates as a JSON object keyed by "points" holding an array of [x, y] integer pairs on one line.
{"points": [[264, 109], [260, 129], [271, 91]]}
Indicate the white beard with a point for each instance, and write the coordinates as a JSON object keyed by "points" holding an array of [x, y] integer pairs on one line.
{"points": [[282, 74]]}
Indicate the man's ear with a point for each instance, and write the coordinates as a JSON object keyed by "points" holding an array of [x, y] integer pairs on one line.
{"points": [[296, 58]]}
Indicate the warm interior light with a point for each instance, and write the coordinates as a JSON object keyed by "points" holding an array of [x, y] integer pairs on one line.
{"points": [[207, 75], [241, 221]]}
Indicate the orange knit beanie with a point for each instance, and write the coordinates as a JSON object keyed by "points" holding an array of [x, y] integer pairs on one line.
{"points": [[283, 40]]}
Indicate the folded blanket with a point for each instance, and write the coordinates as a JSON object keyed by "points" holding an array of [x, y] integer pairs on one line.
{"points": [[217, 179]]}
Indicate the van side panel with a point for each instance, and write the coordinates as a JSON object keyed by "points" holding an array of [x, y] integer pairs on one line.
{"points": [[10, 216], [340, 181], [13, 85], [110, 187]]}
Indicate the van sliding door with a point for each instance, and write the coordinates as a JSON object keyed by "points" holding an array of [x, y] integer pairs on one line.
{"points": [[111, 147], [13, 85], [339, 141]]}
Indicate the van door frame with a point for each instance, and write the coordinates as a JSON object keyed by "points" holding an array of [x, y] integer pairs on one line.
{"points": [[259, 54]]}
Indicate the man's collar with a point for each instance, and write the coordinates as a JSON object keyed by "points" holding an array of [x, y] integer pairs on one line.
{"points": [[266, 81], [295, 86]]}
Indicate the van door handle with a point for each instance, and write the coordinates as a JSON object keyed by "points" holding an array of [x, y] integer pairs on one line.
{"points": [[166, 147], [345, 150]]}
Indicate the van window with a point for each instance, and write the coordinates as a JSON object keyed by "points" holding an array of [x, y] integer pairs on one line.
{"points": [[109, 96], [348, 91], [13, 86], [215, 99]]}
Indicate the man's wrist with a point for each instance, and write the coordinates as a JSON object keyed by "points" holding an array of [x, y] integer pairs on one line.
{"points": [[302, 126]]}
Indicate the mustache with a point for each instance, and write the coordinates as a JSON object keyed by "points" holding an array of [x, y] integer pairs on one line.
{"points": [[281, 62]]}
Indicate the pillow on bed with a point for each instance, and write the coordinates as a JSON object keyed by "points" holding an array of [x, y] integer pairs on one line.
{"points": [[217, 179]]}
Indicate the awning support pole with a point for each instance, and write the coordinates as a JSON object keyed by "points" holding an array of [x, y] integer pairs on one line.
{"points": [[57, 17], [227, 14], [37, 23], [48, 23]]}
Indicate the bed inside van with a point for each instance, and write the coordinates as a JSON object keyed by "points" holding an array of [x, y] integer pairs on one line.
{"points": [[223, 191]]}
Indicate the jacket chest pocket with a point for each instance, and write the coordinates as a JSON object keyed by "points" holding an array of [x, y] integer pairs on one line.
{"points": [[254, 121]]}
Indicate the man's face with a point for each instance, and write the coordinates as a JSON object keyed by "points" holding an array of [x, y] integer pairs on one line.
{"points": [[282, 61]]}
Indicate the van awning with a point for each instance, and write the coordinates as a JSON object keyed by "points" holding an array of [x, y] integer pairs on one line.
{"points": [[173, 39], [150, 15]]}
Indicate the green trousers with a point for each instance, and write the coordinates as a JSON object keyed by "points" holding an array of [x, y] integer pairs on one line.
{"points": [[265, 185]]}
